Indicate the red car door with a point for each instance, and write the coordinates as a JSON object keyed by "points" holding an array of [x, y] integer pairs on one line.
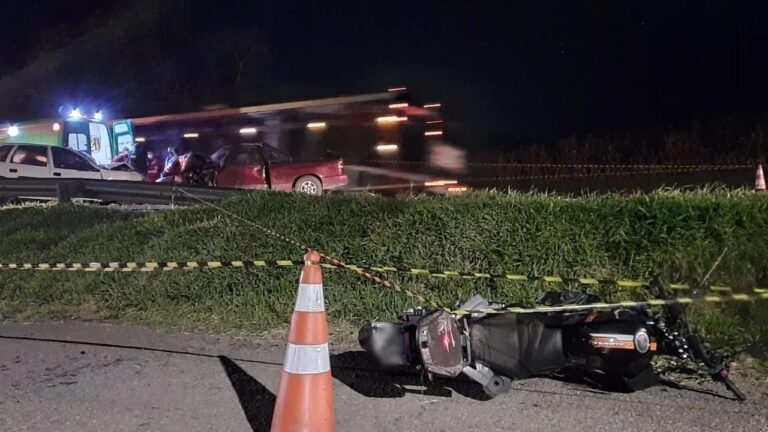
{"points": [[280, 172], [241, 167]]}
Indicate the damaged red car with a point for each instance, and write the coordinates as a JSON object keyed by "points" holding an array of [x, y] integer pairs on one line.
{"points": [[256, 166]]}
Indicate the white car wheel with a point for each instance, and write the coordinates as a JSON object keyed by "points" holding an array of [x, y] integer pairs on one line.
{"points": [[309, 185]]}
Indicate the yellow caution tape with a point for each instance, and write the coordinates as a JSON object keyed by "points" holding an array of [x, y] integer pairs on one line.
{"points": [[622, 304], [720, 293]]}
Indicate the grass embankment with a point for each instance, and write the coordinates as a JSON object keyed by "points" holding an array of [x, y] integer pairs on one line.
{"points": [[679, 234]]}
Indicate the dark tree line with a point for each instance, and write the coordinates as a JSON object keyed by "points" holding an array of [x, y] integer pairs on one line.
{"points": [[729, 141]]}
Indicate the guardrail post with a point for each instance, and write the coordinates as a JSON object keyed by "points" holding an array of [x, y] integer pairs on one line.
{"points": [[64, 193], [66, 190]]}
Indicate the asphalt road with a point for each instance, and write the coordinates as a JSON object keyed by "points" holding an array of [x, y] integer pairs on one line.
{"points": [[100, 377]]}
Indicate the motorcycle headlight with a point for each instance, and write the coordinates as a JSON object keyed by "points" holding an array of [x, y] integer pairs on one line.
{"points": [[642, 341]]}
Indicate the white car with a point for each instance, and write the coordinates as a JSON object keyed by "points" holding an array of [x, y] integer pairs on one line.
{"points": [[47, 161]]}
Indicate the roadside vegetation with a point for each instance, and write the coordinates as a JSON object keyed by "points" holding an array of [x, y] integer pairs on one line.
{"points": [[678, 234]]}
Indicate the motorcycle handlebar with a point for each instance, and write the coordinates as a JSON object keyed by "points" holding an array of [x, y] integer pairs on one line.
{"points": [[697, 349]]}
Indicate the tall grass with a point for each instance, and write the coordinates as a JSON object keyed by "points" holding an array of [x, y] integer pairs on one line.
{"points": [[677, 234]]}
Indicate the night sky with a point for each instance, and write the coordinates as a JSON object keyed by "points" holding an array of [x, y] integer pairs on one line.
{"points": [[535, 69]]}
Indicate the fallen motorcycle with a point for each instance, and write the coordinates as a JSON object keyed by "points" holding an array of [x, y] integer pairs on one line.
{"points": [[615, 346]]}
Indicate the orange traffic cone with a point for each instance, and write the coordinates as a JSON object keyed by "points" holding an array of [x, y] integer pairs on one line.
{"points": [[305, 393], [759, 179]]}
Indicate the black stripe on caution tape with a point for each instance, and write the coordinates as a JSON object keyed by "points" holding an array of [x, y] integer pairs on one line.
{"points": [[761, 296], [150, 265], [721, 294], [516, 277], [194, 265]]}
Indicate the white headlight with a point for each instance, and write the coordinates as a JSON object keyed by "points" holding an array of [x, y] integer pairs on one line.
{"points": [[642, 341]]}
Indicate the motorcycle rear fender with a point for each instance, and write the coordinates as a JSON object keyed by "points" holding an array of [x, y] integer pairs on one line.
{"points": [[440, 344]]}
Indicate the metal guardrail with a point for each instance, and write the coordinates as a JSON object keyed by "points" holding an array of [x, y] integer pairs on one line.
{"points": [[108, 191]]}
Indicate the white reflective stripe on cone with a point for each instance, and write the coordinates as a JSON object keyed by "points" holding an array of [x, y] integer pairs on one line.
{"points": [[307, 359], [310, 298]]}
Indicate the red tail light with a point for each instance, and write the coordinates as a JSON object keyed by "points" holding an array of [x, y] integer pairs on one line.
{"points": [[341, 165], [447, 340]]}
